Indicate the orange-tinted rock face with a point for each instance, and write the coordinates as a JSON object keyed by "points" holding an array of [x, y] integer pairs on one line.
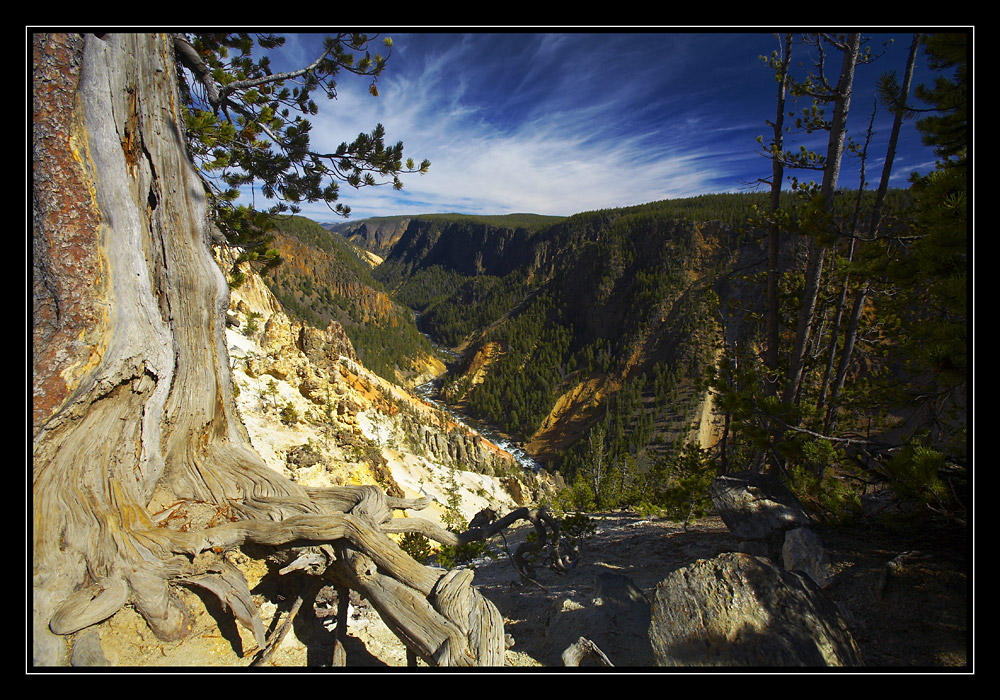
{"points": [[69, 281]]}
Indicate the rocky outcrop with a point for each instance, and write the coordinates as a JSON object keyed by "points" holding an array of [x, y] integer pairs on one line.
{"points": [[742, 610], [756, 507], [771, 521], [307, 358]]}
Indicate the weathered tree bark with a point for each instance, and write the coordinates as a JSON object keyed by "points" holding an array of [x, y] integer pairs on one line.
{"points": [[132, 403]]}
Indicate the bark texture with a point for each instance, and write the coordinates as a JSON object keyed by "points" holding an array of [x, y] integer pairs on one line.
{"points": [[132, 402]]}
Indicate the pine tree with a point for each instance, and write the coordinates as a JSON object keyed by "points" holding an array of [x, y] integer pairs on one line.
{"points": [[247, 125], [841, 98]]}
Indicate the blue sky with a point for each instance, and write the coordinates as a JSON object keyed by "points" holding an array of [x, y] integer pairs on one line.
{"points": [[560, 123]]}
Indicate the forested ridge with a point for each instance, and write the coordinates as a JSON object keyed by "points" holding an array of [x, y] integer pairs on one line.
{"points": [[828, 325], [323, 278]]}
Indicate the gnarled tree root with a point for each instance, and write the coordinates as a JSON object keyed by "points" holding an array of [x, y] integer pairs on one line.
{"points": [[543, 522], [582, 649], [439, 618]]}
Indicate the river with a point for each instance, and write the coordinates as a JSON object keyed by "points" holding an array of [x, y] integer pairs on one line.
{"points": [[429, 393]]}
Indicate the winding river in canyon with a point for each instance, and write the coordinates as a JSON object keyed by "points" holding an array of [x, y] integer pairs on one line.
{"points": [[430, 392]]}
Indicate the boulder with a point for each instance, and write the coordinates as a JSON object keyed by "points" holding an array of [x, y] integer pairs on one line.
{"points": [[742, 610], [756, 507], [803, 551]]}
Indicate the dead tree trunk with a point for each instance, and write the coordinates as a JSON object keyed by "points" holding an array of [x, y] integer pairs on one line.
{"points": [[817, 253], [132, 404]]}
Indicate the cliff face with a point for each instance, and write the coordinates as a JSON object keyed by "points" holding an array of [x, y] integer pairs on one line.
{"points": [[376, 235], [315, 414], [471, 248]]}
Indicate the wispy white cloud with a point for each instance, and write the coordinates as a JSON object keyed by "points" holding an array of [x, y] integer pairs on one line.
{"points": [[572, 151], [555, 124]]}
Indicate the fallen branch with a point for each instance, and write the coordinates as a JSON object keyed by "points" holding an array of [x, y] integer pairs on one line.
{"points": [[581, 649], [279, 634]]}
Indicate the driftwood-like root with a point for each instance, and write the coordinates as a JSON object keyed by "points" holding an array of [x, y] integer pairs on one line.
{"points": [[582, 649], [89, 605], [439, 618]]}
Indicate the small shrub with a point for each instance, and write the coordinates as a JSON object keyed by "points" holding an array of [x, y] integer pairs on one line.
{"points": [[417, 546], [450, 556], [686, 495], [289, 415], [252, 325]]}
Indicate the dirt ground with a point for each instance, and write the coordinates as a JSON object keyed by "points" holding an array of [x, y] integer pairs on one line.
{"points": [[911, 615]]}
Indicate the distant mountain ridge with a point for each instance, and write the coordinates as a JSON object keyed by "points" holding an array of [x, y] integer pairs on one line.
{"points": [[379, 234]]}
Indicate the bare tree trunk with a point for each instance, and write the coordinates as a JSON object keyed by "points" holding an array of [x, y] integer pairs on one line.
{"points": [[773, 236], [842, 297], [132, 400], [817, 253], [874, 225]]}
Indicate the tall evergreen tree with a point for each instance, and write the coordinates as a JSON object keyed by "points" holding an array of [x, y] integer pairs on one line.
{"points": [[937, 264]]}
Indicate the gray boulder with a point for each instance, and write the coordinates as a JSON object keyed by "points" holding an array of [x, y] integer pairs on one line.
{"points": [[756, 507], [803, 551], [742, 610]]}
